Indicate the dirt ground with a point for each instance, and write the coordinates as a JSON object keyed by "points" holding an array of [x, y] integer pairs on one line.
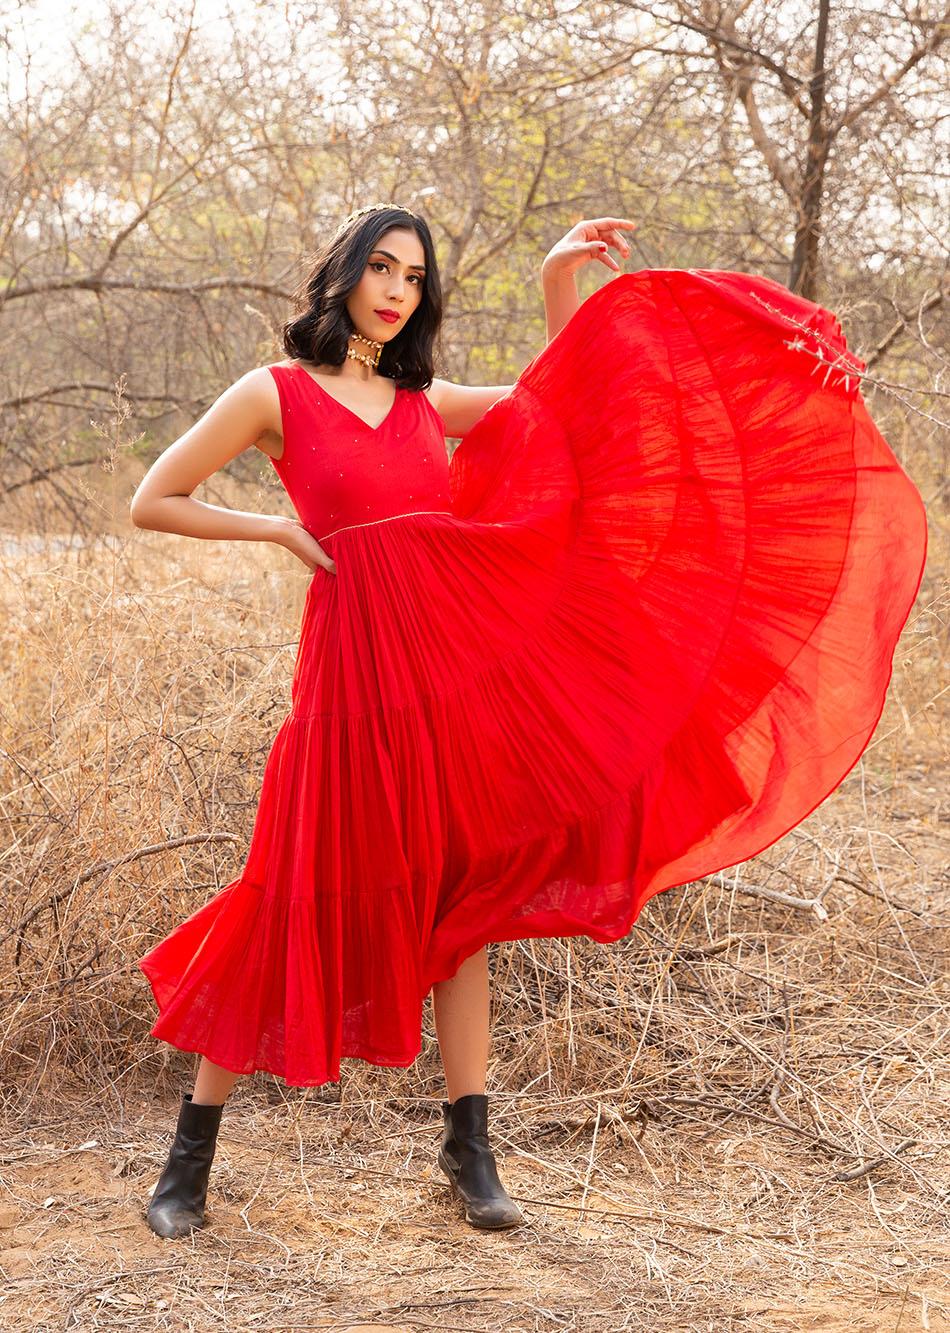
{"points": [[683, 1229], [744, 1130]]}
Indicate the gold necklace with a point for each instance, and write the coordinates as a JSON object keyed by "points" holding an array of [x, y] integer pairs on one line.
{"points": [[372, 361]]}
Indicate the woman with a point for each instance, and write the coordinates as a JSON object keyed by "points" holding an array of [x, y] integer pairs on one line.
{"points": [[635, 630]]}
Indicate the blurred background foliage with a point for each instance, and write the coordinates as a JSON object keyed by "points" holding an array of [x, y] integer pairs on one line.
{"points": [[167, 172]]}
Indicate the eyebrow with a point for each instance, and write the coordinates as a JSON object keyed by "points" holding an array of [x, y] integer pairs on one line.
{"points": [[420, 267]]}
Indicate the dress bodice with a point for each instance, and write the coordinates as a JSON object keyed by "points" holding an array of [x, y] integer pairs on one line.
{"points": [[340, 472]]}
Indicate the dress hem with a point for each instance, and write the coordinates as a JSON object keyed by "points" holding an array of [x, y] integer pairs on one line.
{"points": [[387, 1061]]}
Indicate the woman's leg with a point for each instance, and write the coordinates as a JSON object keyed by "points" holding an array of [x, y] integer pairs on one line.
{"points": [[212, 1084], [177, 1203], [461, 1007]]}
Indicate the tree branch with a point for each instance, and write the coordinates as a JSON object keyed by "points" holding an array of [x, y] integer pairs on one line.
{"points": [[940, 33], [93, 282], [927, 304]]}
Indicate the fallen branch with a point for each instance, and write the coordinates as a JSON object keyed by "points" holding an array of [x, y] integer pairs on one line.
{"points": [[102, 867]]}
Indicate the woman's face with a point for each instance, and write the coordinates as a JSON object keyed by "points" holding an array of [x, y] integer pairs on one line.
{"points": [[392, 281]]}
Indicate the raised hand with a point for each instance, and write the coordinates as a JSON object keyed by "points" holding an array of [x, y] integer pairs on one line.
{"points": [[586, 241]]}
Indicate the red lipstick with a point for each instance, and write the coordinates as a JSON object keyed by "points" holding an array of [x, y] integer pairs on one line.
{"points": [[391, 316]]}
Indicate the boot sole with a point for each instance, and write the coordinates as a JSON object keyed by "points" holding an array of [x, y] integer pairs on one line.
{"points": [[457, 1194], [182, 1229]]}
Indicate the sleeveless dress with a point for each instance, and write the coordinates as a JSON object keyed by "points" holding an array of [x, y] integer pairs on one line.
{"points": [[637, 628]]}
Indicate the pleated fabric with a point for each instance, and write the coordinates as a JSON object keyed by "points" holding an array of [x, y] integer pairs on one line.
{"points": [[636, 630]]}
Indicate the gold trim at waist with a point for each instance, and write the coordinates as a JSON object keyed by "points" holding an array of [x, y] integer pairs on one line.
{"points": [[371, 523]]}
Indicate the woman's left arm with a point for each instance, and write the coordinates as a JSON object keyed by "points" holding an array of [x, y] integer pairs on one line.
{"points": [[461, 405], [584, 242]]}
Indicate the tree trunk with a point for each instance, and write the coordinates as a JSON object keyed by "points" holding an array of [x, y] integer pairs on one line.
{"points": [[803, 277]]}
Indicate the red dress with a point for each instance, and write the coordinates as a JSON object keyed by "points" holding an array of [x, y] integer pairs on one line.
{"points": [[638, 628]]}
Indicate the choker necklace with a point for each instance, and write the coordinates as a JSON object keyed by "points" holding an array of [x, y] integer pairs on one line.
{"points": [[372, 361]]}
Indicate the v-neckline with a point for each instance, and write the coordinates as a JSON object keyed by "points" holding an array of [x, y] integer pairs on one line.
{"points": [[372, 429]]}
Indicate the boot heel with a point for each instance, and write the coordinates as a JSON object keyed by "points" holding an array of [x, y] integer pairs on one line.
{"points": [[177, 1205], [450, 1169]]}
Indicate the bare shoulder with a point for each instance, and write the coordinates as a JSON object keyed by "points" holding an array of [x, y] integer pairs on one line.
{"points": [[434, 392], [259, 391]]}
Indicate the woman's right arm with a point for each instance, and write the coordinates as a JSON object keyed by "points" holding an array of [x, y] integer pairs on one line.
{"points": [[234, 422]]}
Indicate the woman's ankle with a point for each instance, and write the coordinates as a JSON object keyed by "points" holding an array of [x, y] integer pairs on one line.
{"points": [[213, 1084]]}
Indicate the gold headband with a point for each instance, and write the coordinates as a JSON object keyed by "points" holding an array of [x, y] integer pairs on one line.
{"points": [[379, 208]]}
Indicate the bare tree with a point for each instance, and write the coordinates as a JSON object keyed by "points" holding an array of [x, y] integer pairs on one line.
{"points": [[796, 143], [163, 189]]}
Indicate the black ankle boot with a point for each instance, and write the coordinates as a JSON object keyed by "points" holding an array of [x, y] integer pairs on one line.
{"points": [[178, 1200], [467, 1159]]}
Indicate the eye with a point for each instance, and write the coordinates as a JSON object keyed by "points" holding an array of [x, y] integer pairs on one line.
{"points": [[381, 263]]}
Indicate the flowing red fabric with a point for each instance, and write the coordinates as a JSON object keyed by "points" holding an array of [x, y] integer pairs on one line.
{"points": [[638, 628]]}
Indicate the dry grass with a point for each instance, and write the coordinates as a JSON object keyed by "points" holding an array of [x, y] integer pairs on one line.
{"points": [[735, 1118]]}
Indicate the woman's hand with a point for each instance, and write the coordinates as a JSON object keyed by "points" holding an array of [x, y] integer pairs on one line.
{"points": [[292, 534], [586, 241]]}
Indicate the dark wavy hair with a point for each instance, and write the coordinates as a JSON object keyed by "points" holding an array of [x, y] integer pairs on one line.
{"points": [[320, 331]]}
